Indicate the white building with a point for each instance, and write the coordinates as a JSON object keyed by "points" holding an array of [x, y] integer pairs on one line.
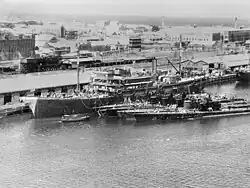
{"points": [[195, 35]]}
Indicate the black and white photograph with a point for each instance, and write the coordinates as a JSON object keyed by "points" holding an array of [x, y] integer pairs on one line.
{"points": [[124, 94]]}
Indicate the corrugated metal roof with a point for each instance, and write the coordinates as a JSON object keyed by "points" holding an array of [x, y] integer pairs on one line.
{"points": [[42, 80]]}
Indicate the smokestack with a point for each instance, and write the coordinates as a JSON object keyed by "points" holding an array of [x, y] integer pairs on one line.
{"points": [[235, 22]]}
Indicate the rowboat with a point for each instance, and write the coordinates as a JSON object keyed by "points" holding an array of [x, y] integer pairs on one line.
{"points": [[74, 118]]}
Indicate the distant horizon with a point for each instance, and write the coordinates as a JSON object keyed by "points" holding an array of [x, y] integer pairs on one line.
{"points": [[124, 15], [153, 8], [131, 19]]}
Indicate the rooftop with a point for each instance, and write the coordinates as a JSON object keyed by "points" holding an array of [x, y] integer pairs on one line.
{"points": [[53, 79]]}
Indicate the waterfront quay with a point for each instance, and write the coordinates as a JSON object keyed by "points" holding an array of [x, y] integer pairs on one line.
{"points": [[36, 84]]}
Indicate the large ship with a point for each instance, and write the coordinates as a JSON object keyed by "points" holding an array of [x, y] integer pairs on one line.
{"points": [[107, 87], [45, 107], [244, 74]]}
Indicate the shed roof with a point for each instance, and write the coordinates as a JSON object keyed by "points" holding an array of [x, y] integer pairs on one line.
{"points": [[41, 80]]}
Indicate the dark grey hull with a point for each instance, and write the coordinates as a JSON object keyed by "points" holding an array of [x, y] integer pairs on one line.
{"points": [[244, 76], [55, 107]]}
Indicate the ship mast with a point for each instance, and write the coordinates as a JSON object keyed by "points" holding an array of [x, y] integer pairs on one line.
{"points": [[180, 58], [78, 84]]}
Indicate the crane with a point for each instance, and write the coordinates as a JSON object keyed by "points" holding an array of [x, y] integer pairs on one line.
{"points": [[169, 62]]}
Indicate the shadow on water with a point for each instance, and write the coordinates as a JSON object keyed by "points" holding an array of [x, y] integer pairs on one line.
{"points": [[16, 120], [54, 125], [112, 122], [145, 123], [210, 125], [44, 126]]}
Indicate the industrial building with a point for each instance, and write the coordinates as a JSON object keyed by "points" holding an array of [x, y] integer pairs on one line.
{"points": [[207, 35], [194, 35], [11, 49], [233, 35], [135, 42]]}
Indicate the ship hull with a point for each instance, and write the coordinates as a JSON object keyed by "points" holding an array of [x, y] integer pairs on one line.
{"points": [[55, 107], [142, 117], [244, 76]]}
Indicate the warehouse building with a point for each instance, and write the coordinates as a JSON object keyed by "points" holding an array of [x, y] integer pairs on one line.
{"points": [[234, 35]]}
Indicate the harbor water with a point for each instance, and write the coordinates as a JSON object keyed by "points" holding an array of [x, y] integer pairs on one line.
{"points": [[112, 153]]}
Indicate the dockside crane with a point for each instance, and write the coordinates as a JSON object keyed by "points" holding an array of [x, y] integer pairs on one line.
{"points": [[178, 69], [168, 61]]}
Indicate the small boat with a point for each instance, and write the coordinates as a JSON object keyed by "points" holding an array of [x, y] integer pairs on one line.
{"points": [[74, 118]]}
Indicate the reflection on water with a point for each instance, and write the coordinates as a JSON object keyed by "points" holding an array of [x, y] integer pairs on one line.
{"points": [[210, 152]]}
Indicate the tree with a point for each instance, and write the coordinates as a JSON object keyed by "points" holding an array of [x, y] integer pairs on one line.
{"points": [[155, 28]]}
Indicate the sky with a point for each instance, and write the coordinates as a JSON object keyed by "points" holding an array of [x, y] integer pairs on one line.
{"points": [[172, 8]]}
